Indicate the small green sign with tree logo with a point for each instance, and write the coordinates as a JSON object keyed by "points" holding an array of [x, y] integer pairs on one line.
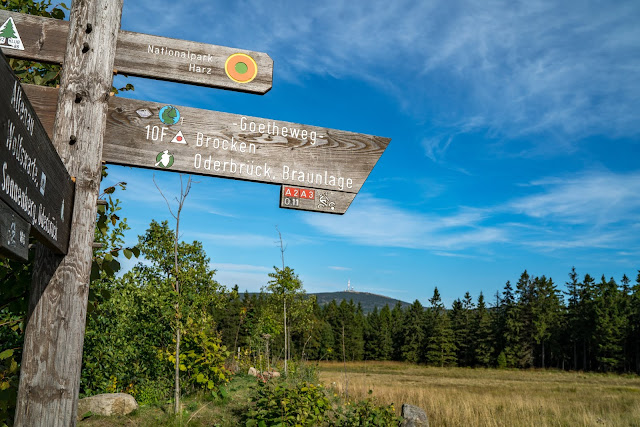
{"points": [[9, 36]]}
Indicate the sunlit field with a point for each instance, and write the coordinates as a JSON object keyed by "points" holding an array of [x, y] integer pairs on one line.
{"points": [[489, 397]]}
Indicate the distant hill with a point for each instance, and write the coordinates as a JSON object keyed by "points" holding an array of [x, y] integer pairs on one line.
{"points": [[366, 299]]}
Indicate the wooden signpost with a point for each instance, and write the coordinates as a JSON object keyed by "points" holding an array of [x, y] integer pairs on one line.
{"points": [[318, 169], [34, 182], [44, 39], [322, 168]]}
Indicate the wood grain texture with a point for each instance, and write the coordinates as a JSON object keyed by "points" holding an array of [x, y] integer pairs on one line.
{"points": [[34, 181], [343, 155], [314, 200], [54, 336], [14, 234], [44, 40], [133, 58]]}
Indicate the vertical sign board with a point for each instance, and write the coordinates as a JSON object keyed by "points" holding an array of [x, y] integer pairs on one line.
{"points": [[33, 181], [14, 234], [162, 58]]}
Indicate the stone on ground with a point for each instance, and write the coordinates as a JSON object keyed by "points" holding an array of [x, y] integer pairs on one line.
{"points": [[107, 404], [413, 416]]}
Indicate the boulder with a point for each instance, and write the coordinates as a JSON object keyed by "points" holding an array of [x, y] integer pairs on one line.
{"points": [[413, 416], [107, 404], [253, 372], [271, 374]]}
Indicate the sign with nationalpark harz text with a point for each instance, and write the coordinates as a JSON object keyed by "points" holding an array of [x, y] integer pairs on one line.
{"points": [[44, 39], [33, 183], [319, 169]]}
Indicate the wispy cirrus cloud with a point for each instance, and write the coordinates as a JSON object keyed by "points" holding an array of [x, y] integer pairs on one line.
{"points": [[566, 70], [595, 209], [596, 198], [376, 222], [246, 276]]}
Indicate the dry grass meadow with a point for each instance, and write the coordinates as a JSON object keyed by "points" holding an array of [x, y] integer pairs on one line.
{"points": [[490, 397]]}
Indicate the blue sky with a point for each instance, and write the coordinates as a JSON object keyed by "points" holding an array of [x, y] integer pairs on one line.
{"points": [[514, 127]]}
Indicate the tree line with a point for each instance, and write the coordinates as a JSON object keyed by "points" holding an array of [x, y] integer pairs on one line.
{"points": [[593, 325]]}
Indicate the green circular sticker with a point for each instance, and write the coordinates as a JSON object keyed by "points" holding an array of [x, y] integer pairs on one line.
{"points": [[169, 115], [164, 159]]}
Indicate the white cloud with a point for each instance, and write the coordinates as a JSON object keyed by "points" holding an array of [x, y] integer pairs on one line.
{"points": [[596, 209], [595, 198], [246, 276], [338, 268], [376, 222], [566, 70], [247, 240]]}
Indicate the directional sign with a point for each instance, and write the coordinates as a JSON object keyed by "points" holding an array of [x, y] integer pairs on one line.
{"points": [[14, 234], [34, 182], [44, 39], [202, 142]]}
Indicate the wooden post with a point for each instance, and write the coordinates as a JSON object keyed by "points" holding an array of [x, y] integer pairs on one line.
{"points": [[54, 336]]}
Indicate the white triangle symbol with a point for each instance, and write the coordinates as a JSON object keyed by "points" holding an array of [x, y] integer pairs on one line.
{"points": [[9, 36], [179, 138]]}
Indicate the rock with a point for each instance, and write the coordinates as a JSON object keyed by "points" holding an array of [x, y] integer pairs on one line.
{"points": [[271, 374], [413, 416], [107, 404], [253, 372]]}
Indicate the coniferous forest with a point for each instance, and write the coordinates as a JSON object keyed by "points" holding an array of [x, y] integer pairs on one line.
{"points": [[592, 325]]}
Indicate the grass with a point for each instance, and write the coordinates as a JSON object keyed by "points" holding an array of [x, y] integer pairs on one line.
{"points": [[449, 396], [197, 410], [490, 397]]}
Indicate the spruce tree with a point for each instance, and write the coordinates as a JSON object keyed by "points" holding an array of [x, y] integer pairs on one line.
{"points": [[440, 343], [626, 311], [397, 327], [573, 314], [634, 322], [460, 331], [371, 335], [547, 312], [507, 327], [525, 315], [609, 326], [587, 319], [413, 333], [481, 332], [385, 338]]}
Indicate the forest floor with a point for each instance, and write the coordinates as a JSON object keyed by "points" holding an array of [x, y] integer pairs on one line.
{"points": [[450, 397]]}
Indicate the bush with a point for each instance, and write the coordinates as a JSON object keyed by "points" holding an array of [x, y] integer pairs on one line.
{"points": [[288, 404], [366, 413], [305, 404]]}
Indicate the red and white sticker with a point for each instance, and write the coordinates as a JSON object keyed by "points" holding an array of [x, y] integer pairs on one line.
{"points": [[179, 138], [299, 193]]}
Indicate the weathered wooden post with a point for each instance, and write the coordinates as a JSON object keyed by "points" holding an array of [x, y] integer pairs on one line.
{"points": [[51, 362]]}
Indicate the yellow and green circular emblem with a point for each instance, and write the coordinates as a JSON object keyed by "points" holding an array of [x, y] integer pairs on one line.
{"points": [[241, 68]]}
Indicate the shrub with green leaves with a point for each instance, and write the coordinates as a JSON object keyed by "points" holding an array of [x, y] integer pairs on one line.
{"points": [[285, 404], [365, 413], [203, 356]]}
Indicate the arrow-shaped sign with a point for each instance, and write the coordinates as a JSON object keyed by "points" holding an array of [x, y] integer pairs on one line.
{"points": [[144, 55], [334, 163]]}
